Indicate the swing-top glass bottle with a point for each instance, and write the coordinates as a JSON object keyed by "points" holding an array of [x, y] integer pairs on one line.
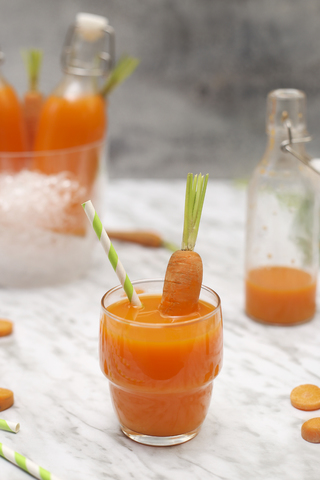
{"points": [[282, 220]]}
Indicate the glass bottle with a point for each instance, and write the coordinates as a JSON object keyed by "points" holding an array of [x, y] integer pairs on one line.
{"points": [[73, 118], [75, 113], [282, 221]]}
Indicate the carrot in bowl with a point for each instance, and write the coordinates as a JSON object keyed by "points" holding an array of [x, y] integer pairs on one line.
{"points": [[33, 98], [184, 272]]}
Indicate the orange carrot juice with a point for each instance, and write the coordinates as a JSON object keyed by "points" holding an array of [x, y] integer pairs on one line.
{"points": [[160, 368], [70, 139], [70, 124], [280, 295]]}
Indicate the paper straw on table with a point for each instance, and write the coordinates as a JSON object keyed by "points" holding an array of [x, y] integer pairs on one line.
{"points": [[112, 255], [25, 464], [9, 426]]}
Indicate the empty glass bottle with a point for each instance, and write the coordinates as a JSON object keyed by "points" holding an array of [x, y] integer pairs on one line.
{"points": [[282, 221]]}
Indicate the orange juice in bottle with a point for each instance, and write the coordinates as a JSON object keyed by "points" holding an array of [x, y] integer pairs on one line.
{"points": [[282, 220], [73, 118], [74, 114]]}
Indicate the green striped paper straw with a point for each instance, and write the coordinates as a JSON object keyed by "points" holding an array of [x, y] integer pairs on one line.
{"points": [[9, 426], [112, 255], [25, 464]]}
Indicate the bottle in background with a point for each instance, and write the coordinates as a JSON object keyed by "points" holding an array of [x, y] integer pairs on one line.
{"points": [[282, 222], [75, 114]]}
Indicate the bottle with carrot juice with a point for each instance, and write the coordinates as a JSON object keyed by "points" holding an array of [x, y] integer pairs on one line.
{"points": [[12, 129], [73, 120], [282, 220], [74, 114]]}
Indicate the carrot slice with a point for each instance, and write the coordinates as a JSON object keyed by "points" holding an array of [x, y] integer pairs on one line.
{"points": [[6, 327], [306, 397], [310, 430], [6, 398]]}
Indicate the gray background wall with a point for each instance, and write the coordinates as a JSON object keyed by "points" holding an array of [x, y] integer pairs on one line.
{"points": [[197, 100]]}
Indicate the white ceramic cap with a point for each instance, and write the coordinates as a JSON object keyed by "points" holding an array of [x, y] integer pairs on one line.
{"points": [[89, 20], [91, 25]]}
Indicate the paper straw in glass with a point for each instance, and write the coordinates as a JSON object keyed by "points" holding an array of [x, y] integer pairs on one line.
{"points": [[112, 255]]}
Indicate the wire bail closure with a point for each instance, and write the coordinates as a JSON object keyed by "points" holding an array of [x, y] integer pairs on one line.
{"points": [[286, 145]]}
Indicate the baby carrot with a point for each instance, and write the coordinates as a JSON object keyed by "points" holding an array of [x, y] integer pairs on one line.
{"points": [[6, 327], [33, 98], [310, 430], [184, 272], [6, 398], [306, 397]]}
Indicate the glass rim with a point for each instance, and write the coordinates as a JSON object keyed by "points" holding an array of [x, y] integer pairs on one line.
{"points": [[158, 325], [61, 151]]}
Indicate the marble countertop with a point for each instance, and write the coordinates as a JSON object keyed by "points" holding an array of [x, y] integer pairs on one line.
{"points": [[62, 399]]}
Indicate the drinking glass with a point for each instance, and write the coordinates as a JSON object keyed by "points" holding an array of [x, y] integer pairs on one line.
{"points": [[160, 374]]}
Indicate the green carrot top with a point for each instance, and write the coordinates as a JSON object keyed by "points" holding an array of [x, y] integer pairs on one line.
{"points": [[195, 193], [32, 58], [123, 69]]}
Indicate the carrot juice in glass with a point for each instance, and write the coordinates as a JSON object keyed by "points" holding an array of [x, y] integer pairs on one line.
{"points": [[160, 368]]}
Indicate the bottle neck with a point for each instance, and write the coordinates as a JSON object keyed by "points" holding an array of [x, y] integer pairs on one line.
{"points": [[274, 154], [88, 52], [74, 86]]}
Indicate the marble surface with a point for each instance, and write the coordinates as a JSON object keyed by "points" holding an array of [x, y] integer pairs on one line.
{"points": [[62, 399]]}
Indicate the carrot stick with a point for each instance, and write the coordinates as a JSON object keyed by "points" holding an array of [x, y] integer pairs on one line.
{"points": [[184, 272], [6, 398], [33, 98], [306, 397], [142, 237], [310, 430]]}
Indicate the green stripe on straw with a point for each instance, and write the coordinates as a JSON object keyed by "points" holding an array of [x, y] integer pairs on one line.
{"points": [[25, 464], [97, 225], [45, 475], [111, 253], [113, 257], [20, 461], [128, 287], [9, 426]]}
